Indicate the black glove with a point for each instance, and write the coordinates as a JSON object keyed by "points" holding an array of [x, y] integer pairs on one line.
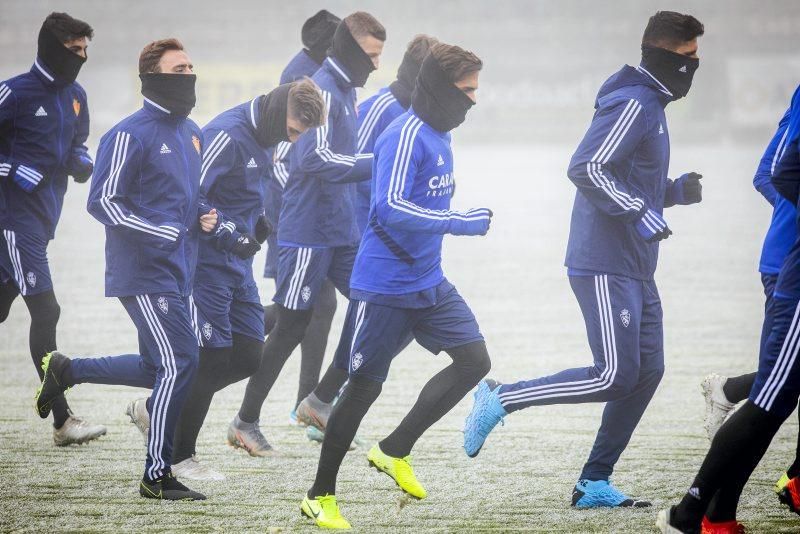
{"points": [[263, 228], [81, 167], [688, 189], [242, 245]]}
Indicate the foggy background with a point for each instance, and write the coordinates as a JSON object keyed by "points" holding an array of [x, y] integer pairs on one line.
{"points": [[544, 60]]}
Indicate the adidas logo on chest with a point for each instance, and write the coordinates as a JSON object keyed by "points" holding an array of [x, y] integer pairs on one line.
{"points": [[165, 149], [252, 163], [440, 161], [40, 112]]}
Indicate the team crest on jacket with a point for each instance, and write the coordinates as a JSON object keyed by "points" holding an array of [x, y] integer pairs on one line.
{"points": [[31, 278], [196, 143], [207, 330], [163, 304], [306, 293], [76, 106], [358, 359], [625, 317]]}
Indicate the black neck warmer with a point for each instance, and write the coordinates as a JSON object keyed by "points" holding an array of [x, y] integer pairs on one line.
{"points": [[436, 100], [317, 34], [272, 110], [346, 50], [60, 61], [403, 86], [674, 70], [175, 92]]}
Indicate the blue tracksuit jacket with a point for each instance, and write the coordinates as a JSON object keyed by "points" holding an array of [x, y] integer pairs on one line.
{"points": [[233, 179], [43, 126], [374, 115], [300, 65], [412, 180], [145, 190], [620, 169], [782, 231], [318, 201]]}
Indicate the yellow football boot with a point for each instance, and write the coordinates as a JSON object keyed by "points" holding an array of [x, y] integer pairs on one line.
{"points": [[399, 469]]}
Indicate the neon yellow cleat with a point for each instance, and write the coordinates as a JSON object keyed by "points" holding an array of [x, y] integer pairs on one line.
{"points": [[324, 511], [781, 483], [399, 469]]}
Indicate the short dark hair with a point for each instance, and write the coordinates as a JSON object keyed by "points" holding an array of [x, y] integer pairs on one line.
{"points": [[362, 24], [151, 54], [669, 28], [306, 104], [455, 61], [419, 47], [67, 28]]}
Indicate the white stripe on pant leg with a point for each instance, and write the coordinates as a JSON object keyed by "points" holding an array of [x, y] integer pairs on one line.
{"points": [[362, 306], [298, 262], [576, 384], [778, 362], [784, 363], [161, 403], [301, 275], [195, 322], [16, 264], [581, 387]]}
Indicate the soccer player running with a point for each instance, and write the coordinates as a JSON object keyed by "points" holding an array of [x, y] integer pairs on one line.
{"points": [[228, 315], [620, 170], [317, 36], [742, 440], [317, 233], [398, 289], [375, 114], [146, 192], [44, 123]]}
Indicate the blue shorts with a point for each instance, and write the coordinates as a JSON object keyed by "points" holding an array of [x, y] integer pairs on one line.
{"points": [[219, 311], [23, 261], [301, 271], [374, 334]]}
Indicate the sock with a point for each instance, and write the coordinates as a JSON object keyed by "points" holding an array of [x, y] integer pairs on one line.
{"points": [[283, 339], [442, 392], [213, 361], [353, 405], [737, 388], [312, 348], [244, 361], [332, 381], [45, 311], [734, 454]]}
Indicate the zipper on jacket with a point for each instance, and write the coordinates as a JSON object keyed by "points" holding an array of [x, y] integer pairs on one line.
{"points": [[188, 229]]}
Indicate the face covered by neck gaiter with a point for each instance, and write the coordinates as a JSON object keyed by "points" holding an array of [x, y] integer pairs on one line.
{"points": [[175, 92], [403, 87], [436, 100], [317, 34], [60, 61], [346, 50], [272, 110], [674, 70]]}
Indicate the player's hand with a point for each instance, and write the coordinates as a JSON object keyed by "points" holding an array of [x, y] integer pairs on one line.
{"points": [[170, 245], [688, 189], [209, 221], [652, 227], [81, 166], [245, 246], [263, 228], [475, 221]]}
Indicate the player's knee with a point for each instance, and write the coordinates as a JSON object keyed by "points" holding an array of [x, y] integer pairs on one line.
{"points": [[363, 389], [622, 384], [247, 352], [46, 311], [270, 317], [291, 325], [472, 360], [325, 305]]}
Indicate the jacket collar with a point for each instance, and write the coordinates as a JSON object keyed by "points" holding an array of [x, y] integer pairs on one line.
{"points": [[338, 72], [253, 110], [42, 73], [157, 111], [661, 87]]}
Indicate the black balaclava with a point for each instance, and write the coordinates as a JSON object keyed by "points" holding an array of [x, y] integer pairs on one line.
{"points": [[437, 100], [175, 92], [674, 70], [317, 34], [349, 53], [271, 123], [63, 63], [403, 86]]}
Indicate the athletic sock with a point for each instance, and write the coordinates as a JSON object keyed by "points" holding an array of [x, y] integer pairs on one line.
{"points": [[213, 361], [735, 452], [283, 339], [332, 381], [737, 388], [343, 424], [442, 392]]}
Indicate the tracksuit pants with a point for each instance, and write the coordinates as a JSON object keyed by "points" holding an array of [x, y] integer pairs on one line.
{"points": [[624, 324], [167, 360]]}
